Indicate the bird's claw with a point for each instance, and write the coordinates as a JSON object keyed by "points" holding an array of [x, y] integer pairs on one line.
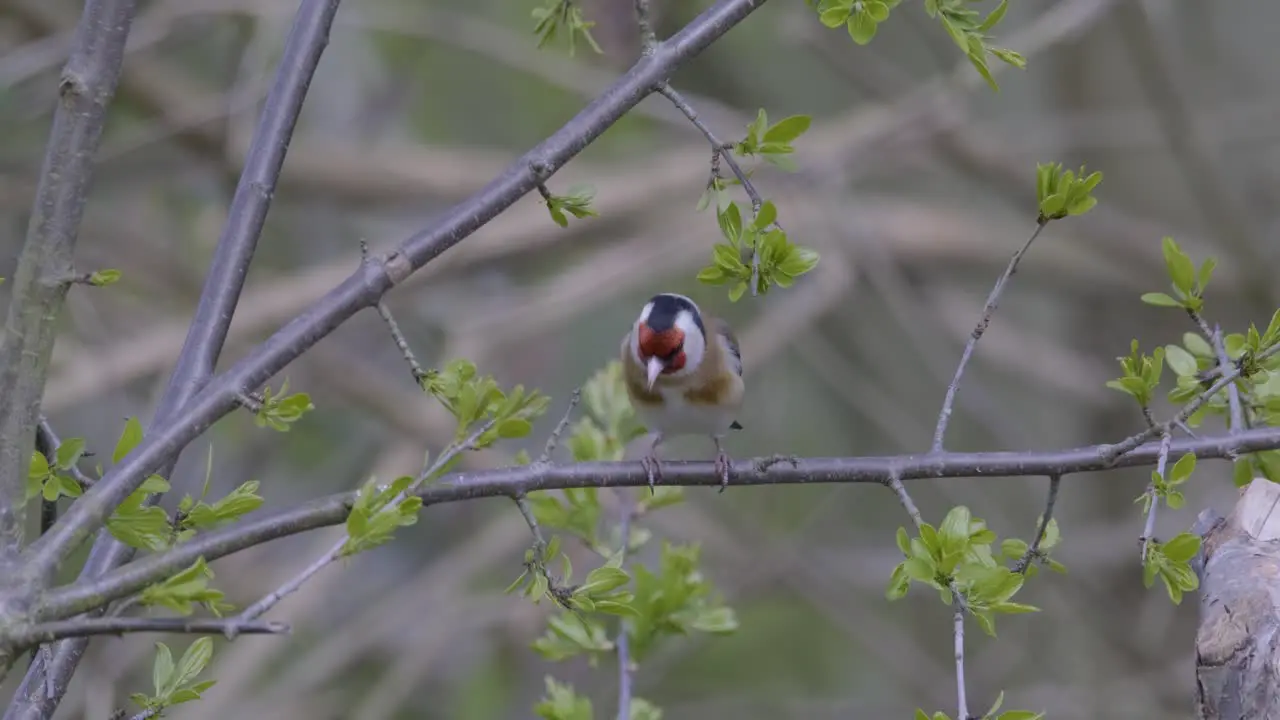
{"points": [[652, 468], [723, 464]]}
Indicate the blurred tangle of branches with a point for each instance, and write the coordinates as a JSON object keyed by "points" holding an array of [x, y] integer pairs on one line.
{"points": [[916, 185]]}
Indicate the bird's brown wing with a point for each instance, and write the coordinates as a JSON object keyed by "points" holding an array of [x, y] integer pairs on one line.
{"points": [[721, 328]]}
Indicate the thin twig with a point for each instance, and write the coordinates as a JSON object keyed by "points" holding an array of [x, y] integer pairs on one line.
{"points": [[1033, 550], [721, 149], [894, 483], [988, 310], [1162, 461], [962, 702], [627, 511], [1236, 418], [554, 439], [402, 343], [648, 38], [291, 586], [60, 629]]}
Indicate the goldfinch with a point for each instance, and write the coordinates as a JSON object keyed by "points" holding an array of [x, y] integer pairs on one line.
{"points": [[682, 380]]}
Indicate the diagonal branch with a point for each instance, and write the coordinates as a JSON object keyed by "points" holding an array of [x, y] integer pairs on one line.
{"points": [[87, 86], [988, 310], [218, 298], [367, 285]]}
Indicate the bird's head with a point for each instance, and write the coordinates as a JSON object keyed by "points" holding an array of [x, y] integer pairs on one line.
{"points": [[668, 338]]}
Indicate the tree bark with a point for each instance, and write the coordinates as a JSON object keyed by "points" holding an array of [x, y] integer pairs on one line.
{"points": [[1238, 642]]}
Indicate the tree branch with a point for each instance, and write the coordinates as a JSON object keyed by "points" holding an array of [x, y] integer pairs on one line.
{"points": [[1033, 550], [218, 299], [366, 286], [505, 482], [988, 310], [86, 88], [1162, 462], [58, 630]]}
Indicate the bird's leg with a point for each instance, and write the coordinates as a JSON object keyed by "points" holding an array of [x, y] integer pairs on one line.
{"points": [[650, 461], [722, 464]]}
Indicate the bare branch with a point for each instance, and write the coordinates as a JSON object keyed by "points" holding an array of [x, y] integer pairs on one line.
{"points": [[366, 286], [87, 86], [988, 310], [720, 150], [217, 305], [1162, 461], [962, 701], [1033, 550], [58, 630], [397, 335], [1236, 418], [508, 481], [289, 587], [554, 440], [622, 643]]}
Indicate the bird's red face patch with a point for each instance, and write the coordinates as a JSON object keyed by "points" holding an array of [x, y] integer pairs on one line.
{"points": [[667, 346]]}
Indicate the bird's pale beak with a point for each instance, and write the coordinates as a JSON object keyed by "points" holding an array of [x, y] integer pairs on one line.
{"points": [[655, 369]]}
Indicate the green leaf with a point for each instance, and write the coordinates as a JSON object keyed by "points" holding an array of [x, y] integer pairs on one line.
{"points": [[1182, 469], [514, 428], [992, 20], [1160, 299], [603, 579], [129, 439], [1180, 361], [1181, 271], [788, 129], [69, 452], [162, 670], [1182, 547], [736, 293], [862, 28], [102, 278]]}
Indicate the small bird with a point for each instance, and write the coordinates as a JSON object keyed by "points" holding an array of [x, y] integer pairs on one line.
{"points": [[681, 379]]}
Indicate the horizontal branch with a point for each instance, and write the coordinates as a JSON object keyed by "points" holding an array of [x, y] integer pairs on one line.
{"points": [[371, 280], [513, 481], [62, 629]]}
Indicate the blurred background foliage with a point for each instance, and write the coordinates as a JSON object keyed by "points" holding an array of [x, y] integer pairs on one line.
{"points": [[916, 184]]}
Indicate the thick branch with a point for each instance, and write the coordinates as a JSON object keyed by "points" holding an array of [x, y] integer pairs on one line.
{"points": [[86, 88], [58, 630], [506, 482], [366, 286], [218, 298]]}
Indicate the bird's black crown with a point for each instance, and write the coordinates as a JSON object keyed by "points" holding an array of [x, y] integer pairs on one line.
{"points": [[666, 306]]}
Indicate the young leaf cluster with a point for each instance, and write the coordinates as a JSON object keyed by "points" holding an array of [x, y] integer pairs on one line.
{"points": [[1061, 193], [176, 683], [374, 516], [54, 481], [561, 703], [988, 715], [563, 17], [576, 203], [966, 27], [969, 33], [958, 553], [1171, 562], [104, 277], [1189, 283], [1166, 488], [610, 422], [476, 400], [861, 17], [1016, 550], [772, 143], [1141, 374], [780, 260], [280, 410], [183, 591]]}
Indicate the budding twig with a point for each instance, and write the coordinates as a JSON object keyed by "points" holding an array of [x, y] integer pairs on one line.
{"points": [[554, 438], [1166, 438], [988, 310], [1033, 550]]}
